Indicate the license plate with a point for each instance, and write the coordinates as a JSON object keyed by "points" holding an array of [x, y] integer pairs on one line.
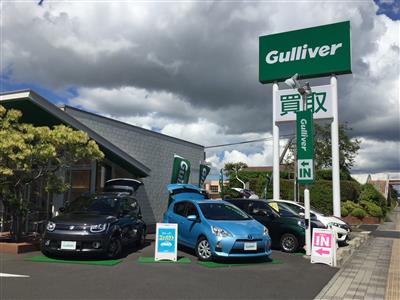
{"points": [[250, 246], [68, 245]]}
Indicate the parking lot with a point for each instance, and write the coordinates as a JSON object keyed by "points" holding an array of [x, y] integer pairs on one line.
{"points": [[289, 276]]}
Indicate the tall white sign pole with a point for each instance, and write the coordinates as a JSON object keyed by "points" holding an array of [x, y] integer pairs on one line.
{"points": [[275, 132], [307, 217], [335, 149]]}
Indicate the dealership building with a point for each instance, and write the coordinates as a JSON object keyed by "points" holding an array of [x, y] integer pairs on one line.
{"points": [[130, 152]]}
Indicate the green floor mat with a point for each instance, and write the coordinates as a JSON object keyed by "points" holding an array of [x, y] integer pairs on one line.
{"points": [[213, 264], [147, 260], [42, 258], [299, 253]]}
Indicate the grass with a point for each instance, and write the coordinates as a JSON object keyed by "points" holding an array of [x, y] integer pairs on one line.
{"points": [[215, 264], [147, 260], [42, 258]]}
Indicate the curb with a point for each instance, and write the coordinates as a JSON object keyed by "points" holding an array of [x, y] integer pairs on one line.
{"points": [[344, 253]]}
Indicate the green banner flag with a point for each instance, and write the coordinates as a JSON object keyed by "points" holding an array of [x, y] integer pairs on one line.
{"points": [[221, 182], [204, 170], [180, 170]]}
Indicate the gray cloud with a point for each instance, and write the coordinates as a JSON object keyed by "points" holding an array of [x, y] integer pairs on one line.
{"points": [[177, 63]]}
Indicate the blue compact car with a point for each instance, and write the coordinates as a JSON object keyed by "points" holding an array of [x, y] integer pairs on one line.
{"points": [[214, 228]]}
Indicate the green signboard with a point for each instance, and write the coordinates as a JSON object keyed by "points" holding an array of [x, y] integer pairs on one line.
{"points": [[180, 170], [305, 147], [311, 52], [204, 170]]}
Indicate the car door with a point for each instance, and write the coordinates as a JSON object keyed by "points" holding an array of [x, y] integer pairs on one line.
{"points": [[263, 213], [178, 216], [125, 220], [191, 229]]}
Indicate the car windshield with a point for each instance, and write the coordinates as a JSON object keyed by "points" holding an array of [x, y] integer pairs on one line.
{"points": [[222, 211], [105, 205]]}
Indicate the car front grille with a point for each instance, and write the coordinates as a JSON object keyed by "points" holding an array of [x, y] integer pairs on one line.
{"points": [[71, 227]]}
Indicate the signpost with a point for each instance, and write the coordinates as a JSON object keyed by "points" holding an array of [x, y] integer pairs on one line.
{"points": [[166, 245], [305, 147], [311, 52], [324, 247]]}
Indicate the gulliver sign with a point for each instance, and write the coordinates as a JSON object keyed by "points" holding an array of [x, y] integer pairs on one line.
{"points": [[305, 147], [311, 52]]}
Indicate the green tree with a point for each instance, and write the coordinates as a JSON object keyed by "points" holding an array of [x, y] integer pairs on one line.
{"points": [[348, 148], [30, 154]]}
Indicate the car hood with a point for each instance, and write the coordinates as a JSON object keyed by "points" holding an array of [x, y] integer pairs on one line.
{"points": [[82, 219], [240, 228]]}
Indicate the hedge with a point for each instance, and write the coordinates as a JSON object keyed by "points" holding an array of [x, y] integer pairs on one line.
{"points": [[370, 194], [358, 213]]}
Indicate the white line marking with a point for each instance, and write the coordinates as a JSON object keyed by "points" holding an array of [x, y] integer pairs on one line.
{"points": [[12, 275]]}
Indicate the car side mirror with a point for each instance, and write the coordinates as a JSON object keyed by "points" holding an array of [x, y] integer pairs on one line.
{"points": [[301, 214], [192, 218]]}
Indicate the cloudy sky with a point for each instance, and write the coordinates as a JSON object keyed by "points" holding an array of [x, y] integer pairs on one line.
{"points": [[189, 69]]}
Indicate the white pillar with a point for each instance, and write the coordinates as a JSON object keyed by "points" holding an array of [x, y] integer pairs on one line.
{"points": [[307, 218], [335, 149], [275, 132]]}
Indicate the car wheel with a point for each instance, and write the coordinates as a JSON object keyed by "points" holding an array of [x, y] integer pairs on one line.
{"points": [[203, 250], [289, 243], [141, 242], [114, 247]]}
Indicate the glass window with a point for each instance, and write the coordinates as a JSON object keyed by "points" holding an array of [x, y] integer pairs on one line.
{"points": [[191, 210], [214, 188], [260, 208], [222, 211], [179, 208]]}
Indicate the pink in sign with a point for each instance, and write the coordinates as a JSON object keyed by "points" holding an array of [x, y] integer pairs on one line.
{"points": [[322, 243]]}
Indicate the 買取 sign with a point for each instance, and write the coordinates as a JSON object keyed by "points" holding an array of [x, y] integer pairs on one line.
{"points": [[310, 52], [290, 102], [323, 247], [166, 242]]}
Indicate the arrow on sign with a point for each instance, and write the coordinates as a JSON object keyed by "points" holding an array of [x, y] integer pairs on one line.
{"points": [[322, 251], [304, 163]]}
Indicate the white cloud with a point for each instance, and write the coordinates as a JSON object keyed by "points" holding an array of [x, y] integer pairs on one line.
{"points": [[189, 69]]}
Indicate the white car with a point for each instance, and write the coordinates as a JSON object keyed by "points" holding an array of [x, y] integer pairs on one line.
{"points": [[341, 228]]}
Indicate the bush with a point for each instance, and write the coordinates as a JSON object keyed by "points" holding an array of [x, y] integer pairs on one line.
{"points": [[358, 213], [350, 205], [370, 194], [372, 209], [344, 211]]}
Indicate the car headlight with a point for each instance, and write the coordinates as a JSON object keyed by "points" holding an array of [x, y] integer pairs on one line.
{"points": [[50, 226], [98, 228], [219, 231], [301, 223], [333, 224], [266, 231]]}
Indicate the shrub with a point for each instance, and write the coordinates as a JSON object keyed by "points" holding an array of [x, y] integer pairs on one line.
{"points": [[372, 209], [350, 206], [344, 211], [370, 194], [358, 213]]}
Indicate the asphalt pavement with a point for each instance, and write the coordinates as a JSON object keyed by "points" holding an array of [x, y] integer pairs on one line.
{"points": [[294, 278]]}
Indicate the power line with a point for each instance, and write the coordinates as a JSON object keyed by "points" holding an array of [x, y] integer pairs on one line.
{"points": [[247, 142]]}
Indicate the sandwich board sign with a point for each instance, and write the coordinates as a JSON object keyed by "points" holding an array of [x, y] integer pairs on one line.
{"points": [[166, 242], [323, 248]]}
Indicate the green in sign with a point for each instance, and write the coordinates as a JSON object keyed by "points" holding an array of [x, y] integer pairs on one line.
{"points": [[311, 52], [305, 147]]}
